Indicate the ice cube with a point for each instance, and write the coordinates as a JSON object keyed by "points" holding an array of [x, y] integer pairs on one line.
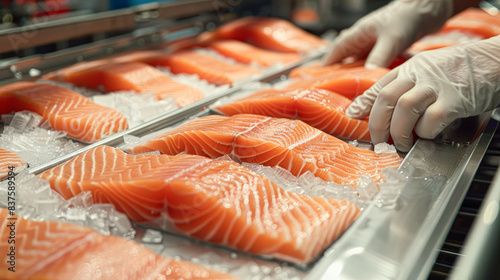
{"points": [[103, 210], [38, 187], [106, 100], [34, 121], [121, 226], [75, 214], [26, 211], [382, 148], [131, 140], [366, 187], [83, 200], [47, 206], [8, 130], [393, 176], [152, 236], [354, 143], [46, 125], [70, 146], [20, 121]]}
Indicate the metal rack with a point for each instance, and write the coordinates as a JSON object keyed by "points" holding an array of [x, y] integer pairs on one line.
{"points": [[396, 241]]}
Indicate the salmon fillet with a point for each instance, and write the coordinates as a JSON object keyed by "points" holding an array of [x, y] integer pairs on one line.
{"points": [[290, 144], [54, 250], [217, 201], [269, 33], [317, 69], [207, 67], [322, 109], [8, 159], [349, 82], [442, 40], [246, 53], [475, 21], [66, 110], [468, 26], [115, 75]]}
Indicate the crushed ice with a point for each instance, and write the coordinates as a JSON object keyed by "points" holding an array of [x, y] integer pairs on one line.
{"points": [[194, 81], [382, 148], [137, 108], [33, 141], [242, 93], [238, 265], [35, 200], [309, 184], [390, 188]]}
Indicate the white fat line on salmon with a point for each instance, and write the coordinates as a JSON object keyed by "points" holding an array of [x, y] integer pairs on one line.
{"points": [[250, 128], [305, 140], [187, 171], [56, 255], [159, 269]]}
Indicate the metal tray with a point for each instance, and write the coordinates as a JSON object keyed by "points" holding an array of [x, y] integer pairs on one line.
{"points": [[394, 241]]}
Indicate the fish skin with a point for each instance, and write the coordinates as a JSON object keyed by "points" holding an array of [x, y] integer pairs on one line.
{"points": [[268, 141], [269, 33], [7, 159], [117, 74], [217, 201], [65, 109], [322, 109], [55, 250]]}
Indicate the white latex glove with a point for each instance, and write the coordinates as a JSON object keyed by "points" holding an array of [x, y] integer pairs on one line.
{"points": [[389, 30], [431, 90]]}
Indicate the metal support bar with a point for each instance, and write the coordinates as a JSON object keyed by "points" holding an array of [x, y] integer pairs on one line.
{"points": [[126, 19]]}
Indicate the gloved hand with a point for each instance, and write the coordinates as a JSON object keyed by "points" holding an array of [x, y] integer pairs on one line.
{"points": [[431, 90], [389, 31]]}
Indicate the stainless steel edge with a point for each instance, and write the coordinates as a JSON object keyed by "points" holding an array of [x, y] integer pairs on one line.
{"points": [[125, 19], [398, 240], [148, 37], [64, 29], [479, 260], [174, 116], [434, 232]]}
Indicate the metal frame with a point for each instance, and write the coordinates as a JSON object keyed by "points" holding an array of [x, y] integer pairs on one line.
{"points": [[124, 19]]}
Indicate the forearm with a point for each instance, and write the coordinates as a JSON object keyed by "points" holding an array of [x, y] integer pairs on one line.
{"points": [[460, 5]]}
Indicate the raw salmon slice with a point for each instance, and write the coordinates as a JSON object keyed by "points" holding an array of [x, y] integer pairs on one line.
{"points": [[305, 15], [442, 40], [66, 110], [217, 201], [317, 69], [468, 26], [8, 159], [207, 67], [290, 144], [349, 82], [246, 53], [269, 33], [322, 109], [475, 21], [54, 250], [114, 75]]}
